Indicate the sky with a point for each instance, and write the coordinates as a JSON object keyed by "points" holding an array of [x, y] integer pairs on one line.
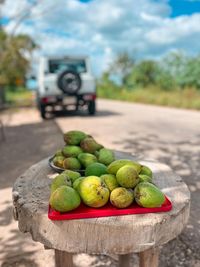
{"points": [[103, 28]]}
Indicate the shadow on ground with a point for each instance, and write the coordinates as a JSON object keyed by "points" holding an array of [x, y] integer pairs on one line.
{"points": [[16, 249], [18, 258], [83, 113], [6, 215], [26, 145], [184, 158], [20, 262]]}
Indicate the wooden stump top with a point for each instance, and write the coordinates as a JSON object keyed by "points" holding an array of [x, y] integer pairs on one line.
{"points": [[116, 234]]}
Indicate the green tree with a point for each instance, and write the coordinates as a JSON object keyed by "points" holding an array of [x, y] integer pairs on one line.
{"points": [[105, 82], [185, 70], [122, 66], [144, 73], [15, 54], [174, 64], [191, 73]]}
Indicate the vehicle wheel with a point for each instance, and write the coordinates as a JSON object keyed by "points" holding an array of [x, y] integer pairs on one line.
{"points": [[69, 82], [92, 107], [43, 111]]}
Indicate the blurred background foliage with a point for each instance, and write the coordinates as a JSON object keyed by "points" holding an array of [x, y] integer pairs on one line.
{"points": [[174, 70], [173, 80], [15, 58], [15, 63]]}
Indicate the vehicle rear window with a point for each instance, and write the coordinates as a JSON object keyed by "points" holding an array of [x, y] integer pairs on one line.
{"points": [[57, 66]]}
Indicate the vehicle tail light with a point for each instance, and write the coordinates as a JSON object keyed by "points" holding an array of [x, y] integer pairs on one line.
{"points": [[49, 99], [89, 97]]}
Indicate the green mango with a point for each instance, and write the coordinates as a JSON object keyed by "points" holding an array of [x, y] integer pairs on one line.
{"points": [[121, 197], [59, 161], [96, 169], [71, 164], [86, 159], [145, 178], [72, 175], [93, 192], [89, 145], [65, 199], [106, 156], [74, 137], [148, 195], [77, 182], [110, 181], [60, 180], [96, 153], [71, 151], [117, 164], [146, 170], [127, 176]]}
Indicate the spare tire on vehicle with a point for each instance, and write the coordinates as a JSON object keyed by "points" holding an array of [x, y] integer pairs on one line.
{"points": [[69, 82]]}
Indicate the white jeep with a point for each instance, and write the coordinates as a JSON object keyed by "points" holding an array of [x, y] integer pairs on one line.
{"points": [[65, 83]]}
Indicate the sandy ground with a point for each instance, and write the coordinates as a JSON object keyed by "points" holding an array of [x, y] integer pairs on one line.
{"points": [[168, 135]]}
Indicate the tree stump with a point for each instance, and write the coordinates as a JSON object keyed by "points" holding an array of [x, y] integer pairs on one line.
{"points": [[121, 235]]}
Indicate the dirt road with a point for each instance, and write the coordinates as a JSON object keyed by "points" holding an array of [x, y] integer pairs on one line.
{"points": [[169, 135]]}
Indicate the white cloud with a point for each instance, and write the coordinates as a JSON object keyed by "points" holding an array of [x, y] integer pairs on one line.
{"points": [[103, 28], [13, 8], [172, 30]]}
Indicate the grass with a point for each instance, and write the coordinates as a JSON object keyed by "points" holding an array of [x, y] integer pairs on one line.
{"points": [[188, 98], [19, 97]]}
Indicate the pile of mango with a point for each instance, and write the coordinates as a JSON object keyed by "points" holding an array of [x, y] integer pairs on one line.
{"points": [[105, 179], [80, 151]]}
